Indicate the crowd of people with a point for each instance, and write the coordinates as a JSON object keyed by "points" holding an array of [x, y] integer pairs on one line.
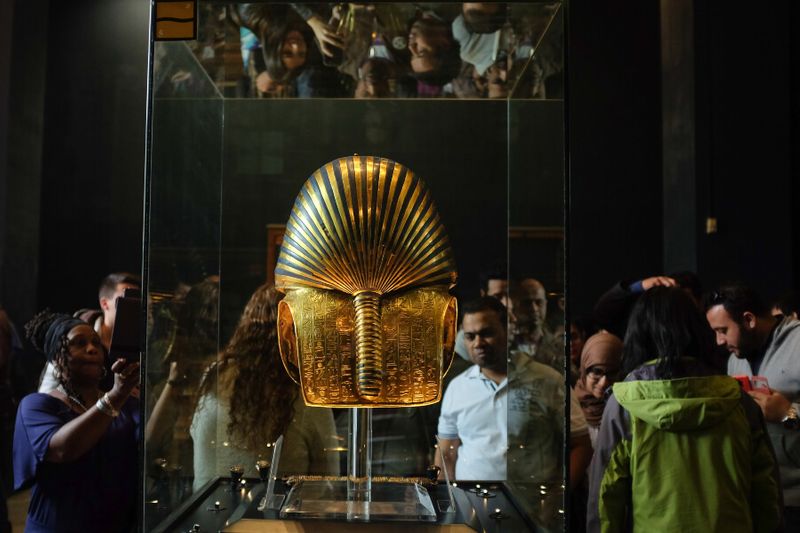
{"points": [[683, 407], [378, 50]]}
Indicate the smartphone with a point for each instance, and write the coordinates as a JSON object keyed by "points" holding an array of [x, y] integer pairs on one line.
{"points": [[744, 381], [753, 383], [126, 335]]}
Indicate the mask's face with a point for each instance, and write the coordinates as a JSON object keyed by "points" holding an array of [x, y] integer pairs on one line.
{"points": [[317, 338]]}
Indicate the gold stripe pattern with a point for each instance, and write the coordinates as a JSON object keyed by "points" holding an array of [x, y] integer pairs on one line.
{"points": [[364, 224], [367, 227]]}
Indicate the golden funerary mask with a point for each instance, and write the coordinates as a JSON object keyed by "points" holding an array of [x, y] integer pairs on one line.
{"points": [[368, 320]]}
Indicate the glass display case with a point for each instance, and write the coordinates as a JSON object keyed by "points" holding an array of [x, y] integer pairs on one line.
{"points": [[468, 98]]}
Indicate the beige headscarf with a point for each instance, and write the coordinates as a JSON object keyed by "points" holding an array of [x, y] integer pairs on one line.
{"points": [[605, 349]]}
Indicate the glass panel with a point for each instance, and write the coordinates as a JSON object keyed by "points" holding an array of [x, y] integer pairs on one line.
{"points": [[536, 259], [182, 265], [241, 118]]}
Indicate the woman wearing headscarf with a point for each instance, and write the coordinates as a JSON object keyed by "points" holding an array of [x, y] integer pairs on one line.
{"points": [[600, 361], [76, 446], [681, 447]]}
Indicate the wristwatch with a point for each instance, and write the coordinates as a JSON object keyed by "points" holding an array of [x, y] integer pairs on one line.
{"points": [[791, 419]]}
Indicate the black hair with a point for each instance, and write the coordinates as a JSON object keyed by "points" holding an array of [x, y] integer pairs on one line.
{"points": [[36, 332], [198, 317], [585, 326], [486, 303], [666, 325], [494, 272], [448, 57], [196, 322], [272, 49], [788, 303], [36, 328], [737, 298], [478, 21], [686, 279], [109, 284], [382, 70]]}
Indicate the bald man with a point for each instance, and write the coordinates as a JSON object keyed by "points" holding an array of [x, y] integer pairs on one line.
{"points": [[532, 338]]}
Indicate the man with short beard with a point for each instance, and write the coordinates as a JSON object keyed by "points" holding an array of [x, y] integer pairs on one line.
{"points": [[765, 345], [494, 283], [491, 418]]}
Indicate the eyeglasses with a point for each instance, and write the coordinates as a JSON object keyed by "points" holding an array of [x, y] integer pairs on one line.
{"points": [[599, 372]]}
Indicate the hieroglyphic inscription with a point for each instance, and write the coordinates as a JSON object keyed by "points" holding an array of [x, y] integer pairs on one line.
{"points": [[413, 332]]}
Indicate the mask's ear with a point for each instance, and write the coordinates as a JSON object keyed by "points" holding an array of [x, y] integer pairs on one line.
{"points": [[449, 341], [287, 341]]}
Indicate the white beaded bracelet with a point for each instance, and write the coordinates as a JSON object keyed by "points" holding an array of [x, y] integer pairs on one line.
{"points": [[104, 406]]}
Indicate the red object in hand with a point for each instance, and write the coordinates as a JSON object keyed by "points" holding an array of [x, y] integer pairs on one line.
{"points": [[744, 381]]}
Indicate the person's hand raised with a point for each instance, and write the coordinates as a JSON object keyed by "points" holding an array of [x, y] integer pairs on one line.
{"points": [[326, 35], [658, 281], [126, 378]]}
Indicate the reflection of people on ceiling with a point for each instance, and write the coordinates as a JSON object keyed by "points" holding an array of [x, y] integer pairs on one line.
{"points": [[372, 50], [283, 50]]}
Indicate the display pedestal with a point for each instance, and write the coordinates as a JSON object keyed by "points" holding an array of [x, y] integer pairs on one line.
{"points": [[357, 498], [359, 464], [388, 502]]}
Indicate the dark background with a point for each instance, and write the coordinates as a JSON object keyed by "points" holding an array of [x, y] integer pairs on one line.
{"points": [[654, 146], [640, 194]]}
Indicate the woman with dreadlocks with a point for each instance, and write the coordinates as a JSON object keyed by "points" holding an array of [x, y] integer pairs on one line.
{"points": [[246, 401], [76, 446]]}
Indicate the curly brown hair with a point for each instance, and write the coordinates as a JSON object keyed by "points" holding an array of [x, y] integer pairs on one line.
{"points": [[251, 374]]}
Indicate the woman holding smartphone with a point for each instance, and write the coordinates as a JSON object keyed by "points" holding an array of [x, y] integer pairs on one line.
{"points": [[76, 447]]}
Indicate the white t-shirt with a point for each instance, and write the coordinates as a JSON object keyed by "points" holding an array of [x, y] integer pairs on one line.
{"points": [[512, 430], [474, 410]]}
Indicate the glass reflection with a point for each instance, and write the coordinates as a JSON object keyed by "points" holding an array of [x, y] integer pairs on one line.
{"points": [[242, 116], [381, 50]]}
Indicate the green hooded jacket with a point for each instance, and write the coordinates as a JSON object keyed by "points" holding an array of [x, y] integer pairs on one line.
{"points": [[688, 454]]}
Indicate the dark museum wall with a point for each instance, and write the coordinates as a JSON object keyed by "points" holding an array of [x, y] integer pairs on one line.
{"points": [[747, 132], [734, 156], [614, 141], [94, 138], [76, 110], [72, 111]]}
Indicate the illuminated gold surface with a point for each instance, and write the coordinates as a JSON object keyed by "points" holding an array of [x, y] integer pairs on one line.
{"points": [[417, 346], [364, 234]]}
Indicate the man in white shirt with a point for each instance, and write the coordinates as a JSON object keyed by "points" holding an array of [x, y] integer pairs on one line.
{"points": [[483, 413]]}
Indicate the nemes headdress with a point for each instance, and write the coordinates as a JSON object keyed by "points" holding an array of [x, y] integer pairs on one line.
{"points": [[366, 267]]}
